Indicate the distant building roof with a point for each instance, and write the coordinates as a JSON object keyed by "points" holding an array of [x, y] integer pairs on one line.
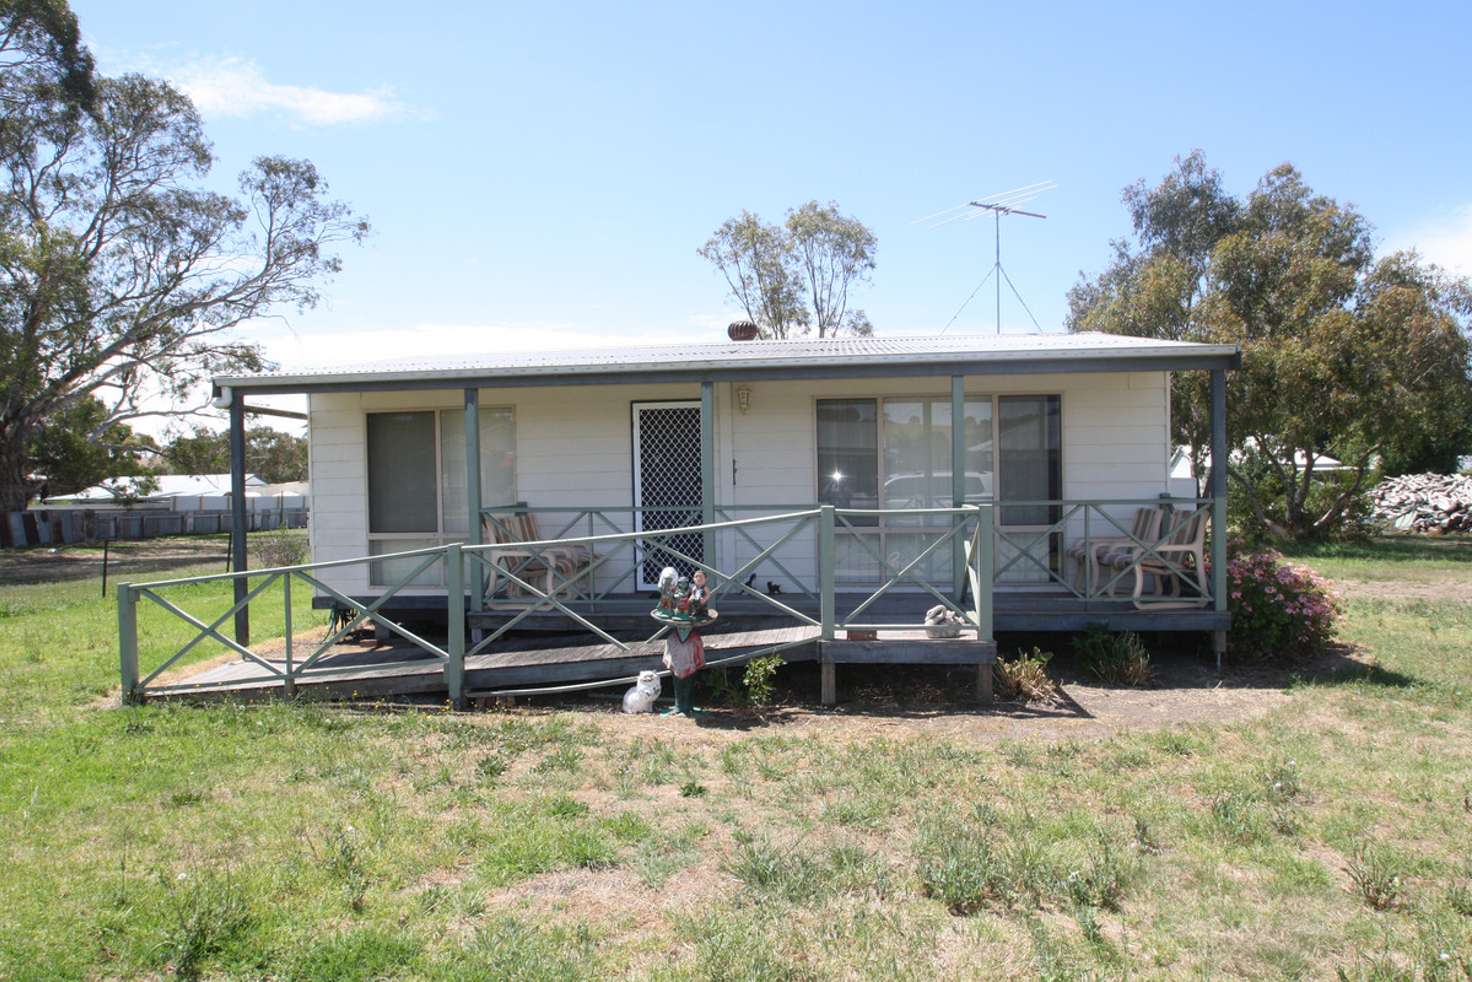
{"points": [[938, 354], [167, 486], [286, 487], [1180, 462]]}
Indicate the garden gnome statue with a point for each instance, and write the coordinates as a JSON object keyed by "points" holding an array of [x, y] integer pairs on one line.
{"points": [[683, 608]]}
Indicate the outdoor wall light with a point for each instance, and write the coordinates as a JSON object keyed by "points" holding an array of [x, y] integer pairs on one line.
{"points": [[743, 398]]}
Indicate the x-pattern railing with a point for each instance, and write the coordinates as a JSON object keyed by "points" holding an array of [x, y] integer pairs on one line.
{"points": [[976, 517], [592, 590], [1128, 550], [650, 544], [287, 669], [973, 526]]}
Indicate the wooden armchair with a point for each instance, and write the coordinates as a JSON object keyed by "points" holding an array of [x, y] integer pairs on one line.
{"points": [[1177, 563], [545, 563], [1091, 555]]}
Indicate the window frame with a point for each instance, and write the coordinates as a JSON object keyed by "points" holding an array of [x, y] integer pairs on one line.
{"points": [[439, 536], [1054, 543]]}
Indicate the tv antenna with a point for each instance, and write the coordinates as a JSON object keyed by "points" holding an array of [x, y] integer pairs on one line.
{"points": [[996, 205]]}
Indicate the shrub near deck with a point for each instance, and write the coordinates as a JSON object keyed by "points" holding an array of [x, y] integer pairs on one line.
{"points": [[307, 842]]}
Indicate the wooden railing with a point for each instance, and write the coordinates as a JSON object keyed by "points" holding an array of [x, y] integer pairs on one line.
{"points": [[1089, 524], [288, 670], [970, 530]]}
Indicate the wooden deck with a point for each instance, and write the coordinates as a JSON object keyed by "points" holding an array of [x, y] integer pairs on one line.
{"points": [[353, 671], [533, 658]]}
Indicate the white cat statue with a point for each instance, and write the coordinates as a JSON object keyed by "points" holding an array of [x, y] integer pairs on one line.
{"points": [[641, 695]]}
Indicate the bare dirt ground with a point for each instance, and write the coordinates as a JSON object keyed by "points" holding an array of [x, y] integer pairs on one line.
{"points": [[902, 703], [46, 564]]}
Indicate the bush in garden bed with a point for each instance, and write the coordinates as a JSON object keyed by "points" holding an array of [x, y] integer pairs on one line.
{"points": [[1114, 659], [1024, 678], [1279, 610]]}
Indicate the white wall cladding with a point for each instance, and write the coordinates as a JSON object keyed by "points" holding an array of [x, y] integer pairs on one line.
{"points": [[574, 446]]}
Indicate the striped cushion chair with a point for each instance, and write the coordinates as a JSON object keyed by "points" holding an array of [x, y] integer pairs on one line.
{"points": [[1094, 555], [549, 564], [1178, 563]]}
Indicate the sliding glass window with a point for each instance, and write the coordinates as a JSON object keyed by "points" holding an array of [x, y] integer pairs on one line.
{"points": [[417, 484], [1030, 433], [896, 454]]}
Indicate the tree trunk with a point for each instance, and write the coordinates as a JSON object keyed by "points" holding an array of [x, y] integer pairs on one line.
{"points": [[15, 486]]}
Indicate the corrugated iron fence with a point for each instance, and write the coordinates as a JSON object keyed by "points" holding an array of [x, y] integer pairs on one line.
{"points": [[42, 527]]}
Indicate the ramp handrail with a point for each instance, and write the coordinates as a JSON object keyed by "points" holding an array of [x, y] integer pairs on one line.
{"points": [[289, 670]]}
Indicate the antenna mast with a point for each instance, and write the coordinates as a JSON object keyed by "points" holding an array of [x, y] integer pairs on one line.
{"points": [[998, 210], [996, 205]]}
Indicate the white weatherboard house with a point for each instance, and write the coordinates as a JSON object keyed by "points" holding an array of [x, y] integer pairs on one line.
{"points": [[825, 481]]}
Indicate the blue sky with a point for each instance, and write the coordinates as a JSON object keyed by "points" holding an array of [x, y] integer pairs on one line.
{"points": [[543, 173]]}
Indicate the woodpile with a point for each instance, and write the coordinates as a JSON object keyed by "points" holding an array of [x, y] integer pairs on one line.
{"points": [[1430, 503]]}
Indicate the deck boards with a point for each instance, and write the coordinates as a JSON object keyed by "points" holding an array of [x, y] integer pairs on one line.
{"points": [[527, 661], [360, 673]]}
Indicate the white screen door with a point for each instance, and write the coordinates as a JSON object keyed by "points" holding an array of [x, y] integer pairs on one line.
{"points": [[666, 483]]}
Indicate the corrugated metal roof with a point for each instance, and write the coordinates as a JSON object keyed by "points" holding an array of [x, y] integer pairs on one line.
{"points": [[694, 357], [165, 486]]}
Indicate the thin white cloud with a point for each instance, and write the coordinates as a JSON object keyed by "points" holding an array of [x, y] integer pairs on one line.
{"points": [[231, 86], [713, 325], [1446, 240]]}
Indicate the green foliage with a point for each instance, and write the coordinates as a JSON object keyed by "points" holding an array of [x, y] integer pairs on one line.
{"points": [[1378, 877], [246, 797], [786, 872], [43, 55], [360, 953], [983, 861], [1458, 895], [1344, 353], [280, 547], [1025, 676], [203, 914], [273, 456], [1100, 881], [960, 865], [78, 446], [1262, 517], [803, 875], [121, 269], [341, 852], [1280, 612], [755, 688], [1114, 658], [758, 679], [794, 278]]}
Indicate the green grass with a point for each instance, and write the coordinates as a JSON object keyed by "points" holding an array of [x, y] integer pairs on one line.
{"points": [[311, 842], [58, 641], [1392, 559]]}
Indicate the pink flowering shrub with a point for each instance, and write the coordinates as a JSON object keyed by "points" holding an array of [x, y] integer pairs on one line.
{"points": [[1279, 610]]}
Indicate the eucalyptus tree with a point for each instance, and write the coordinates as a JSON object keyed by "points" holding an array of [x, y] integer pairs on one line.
{"points": [[41, 48], [1345, 354], [123, 276], [793, 279]]}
